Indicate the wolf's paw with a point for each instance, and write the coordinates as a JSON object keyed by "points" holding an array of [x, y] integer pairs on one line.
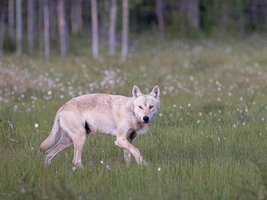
{"points": [[144, 163], [117, 144], [47, 161], [141, 161], [77, 167]]}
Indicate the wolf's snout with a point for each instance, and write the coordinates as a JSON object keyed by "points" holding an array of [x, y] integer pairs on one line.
{"points": [[146, 119]]}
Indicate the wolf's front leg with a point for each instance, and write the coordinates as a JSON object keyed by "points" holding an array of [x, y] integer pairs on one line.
{"points": [[127, 157], [124, 144]]}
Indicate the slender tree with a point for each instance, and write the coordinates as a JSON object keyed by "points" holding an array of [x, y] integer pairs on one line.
{"points": [[2, 27], [94, 28], [62, 25], [125, 29], [160, 17], [18, 27], [31, 24], [112, 27], [193, 12], [76, 16], [190, 11], [11, 18], [46, 28], [53, 24]]}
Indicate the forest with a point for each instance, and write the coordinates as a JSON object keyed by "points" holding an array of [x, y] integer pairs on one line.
{"points": [[208, 139], [34, 26]]}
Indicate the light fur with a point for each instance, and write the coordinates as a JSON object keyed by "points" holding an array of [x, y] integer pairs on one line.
{"points": [[120, 116]]}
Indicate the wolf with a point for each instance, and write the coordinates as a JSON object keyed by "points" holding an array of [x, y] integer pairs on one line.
{"points": [[99, 113]]}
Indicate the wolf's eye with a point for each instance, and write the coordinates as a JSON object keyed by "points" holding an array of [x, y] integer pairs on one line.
{"points": [[150, 107], [140, 107]]}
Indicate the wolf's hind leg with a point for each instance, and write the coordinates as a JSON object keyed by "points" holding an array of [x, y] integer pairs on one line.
{"points": [[77, 130], [78, 143], [64, 142]]}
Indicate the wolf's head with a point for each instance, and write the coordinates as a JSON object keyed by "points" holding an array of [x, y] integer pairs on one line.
{"points": [[145, 106]]}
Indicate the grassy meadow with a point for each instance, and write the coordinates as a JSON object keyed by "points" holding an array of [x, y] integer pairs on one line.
{"points": [[208, 141]]}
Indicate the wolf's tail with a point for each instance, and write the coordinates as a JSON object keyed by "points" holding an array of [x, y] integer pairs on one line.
{"points": [[53, 134]]}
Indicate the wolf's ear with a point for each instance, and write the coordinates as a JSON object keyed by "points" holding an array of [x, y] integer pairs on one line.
{"points": [[136, 91], [155, 92]]}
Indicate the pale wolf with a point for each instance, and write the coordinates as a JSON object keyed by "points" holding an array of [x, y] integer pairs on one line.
{"points": [[120, 116]]}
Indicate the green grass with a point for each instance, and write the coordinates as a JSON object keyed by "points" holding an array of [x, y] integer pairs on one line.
{"points": [[208, 140]]}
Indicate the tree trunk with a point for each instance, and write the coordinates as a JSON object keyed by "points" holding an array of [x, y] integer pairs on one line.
{"points": [[40, 25], [125, 29], [160, 17], [31, 24], [11, 18], [193, 12], [190, 11], [2, 30], [62, 28], [112, 27], [94, 28], [52, 22], [46, 29], [76, 16], [18, 27]]}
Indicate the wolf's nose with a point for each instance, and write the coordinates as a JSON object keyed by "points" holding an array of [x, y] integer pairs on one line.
{"points": [[146, 118]]}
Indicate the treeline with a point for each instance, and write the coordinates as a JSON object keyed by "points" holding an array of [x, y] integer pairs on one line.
{"points": [[32, 25]]}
